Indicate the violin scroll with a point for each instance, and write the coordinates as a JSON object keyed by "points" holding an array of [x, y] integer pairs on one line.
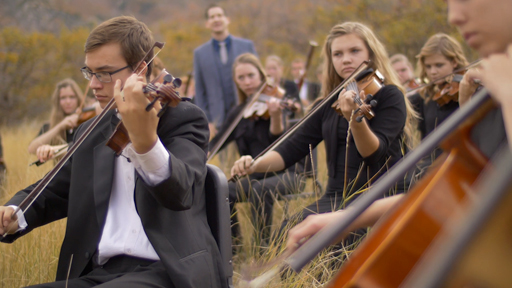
{"points": [[366, 109], [163, 88]]}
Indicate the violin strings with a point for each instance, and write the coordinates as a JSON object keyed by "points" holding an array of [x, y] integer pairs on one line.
{"points": [[352, 86]]}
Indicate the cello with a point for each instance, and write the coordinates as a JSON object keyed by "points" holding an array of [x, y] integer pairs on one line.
{"points": [[474, 247]]}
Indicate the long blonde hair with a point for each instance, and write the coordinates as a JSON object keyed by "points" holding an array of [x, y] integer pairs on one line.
{"points": [[248, 58], [379, 61], [445, 45], [57, 114]]}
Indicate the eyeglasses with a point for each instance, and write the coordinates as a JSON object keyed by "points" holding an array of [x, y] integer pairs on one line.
{"points": [[104, 77]]}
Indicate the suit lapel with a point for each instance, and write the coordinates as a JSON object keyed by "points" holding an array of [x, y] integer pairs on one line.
{"points": [[104, 160]]}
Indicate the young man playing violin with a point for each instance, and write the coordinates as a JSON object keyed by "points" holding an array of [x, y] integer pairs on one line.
{"points": [[481, 25], [137, 220]]}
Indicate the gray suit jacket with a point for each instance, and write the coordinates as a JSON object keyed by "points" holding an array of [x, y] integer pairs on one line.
{"points": [[209, 96], [172, 213]]}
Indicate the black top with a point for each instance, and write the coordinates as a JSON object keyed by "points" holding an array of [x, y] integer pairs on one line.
{"points": [[291, 92], [326, 124], [489, 134], [69, 132], [251, 136], [431, 114], [313, 91]]}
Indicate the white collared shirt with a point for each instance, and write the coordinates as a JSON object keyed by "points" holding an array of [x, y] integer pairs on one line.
{"points": [[123, 232], [303, 93]]}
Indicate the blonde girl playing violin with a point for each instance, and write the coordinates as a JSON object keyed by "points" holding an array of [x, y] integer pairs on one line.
{"points": [[66, 98], [373, 145], [440, 56], [252, 136]]}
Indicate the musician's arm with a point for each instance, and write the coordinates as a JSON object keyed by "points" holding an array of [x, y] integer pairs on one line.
{"points": [[314, 223], [46, 138], [276, 123], [270, 162], [467, 86]]}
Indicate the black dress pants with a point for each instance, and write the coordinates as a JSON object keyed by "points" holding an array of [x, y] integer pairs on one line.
{"points": [[120, 271]]}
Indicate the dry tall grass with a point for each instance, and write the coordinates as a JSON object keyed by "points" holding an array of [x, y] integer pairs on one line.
{"points": [[33, 258]]}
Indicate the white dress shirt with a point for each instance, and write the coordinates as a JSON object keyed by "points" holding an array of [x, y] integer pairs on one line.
{"points": [[123, 232], [303, 93]]}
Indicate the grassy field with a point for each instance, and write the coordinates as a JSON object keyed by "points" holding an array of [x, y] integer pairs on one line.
{"points": [[33, 258]]}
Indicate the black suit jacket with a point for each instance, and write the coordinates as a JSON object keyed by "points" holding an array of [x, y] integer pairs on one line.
{"points": [[172, 213]]}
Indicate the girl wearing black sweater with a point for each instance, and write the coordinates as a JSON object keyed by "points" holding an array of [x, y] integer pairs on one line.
{"points": [[252, 136], [373, 145], [440, 56]]}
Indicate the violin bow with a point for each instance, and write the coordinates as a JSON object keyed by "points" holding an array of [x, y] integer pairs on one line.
{"points": [[312, 46], [57, 153], [470, 65], [296, 126], [187, 84], [32, 196], [234, 123]]}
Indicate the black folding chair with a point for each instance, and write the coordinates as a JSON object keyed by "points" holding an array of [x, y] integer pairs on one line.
{"points": [[218, 214]]}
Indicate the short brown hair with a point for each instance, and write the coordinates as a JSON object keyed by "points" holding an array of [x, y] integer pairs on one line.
{"points": [[400, 58], [134, 37], [210, 7]]}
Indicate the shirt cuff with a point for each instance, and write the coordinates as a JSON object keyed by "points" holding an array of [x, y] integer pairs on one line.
{"points": [[22, 222], [153, 166]]}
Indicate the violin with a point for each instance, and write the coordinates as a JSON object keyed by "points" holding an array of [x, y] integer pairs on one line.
{"points": [[450, 90], [260, 108], [86, 114], [163, 89], [370, 82], [411, 84]]}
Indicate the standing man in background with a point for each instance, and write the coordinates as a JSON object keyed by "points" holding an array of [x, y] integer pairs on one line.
{"points": [[213, 61], [405, 71], [309, 90]]}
